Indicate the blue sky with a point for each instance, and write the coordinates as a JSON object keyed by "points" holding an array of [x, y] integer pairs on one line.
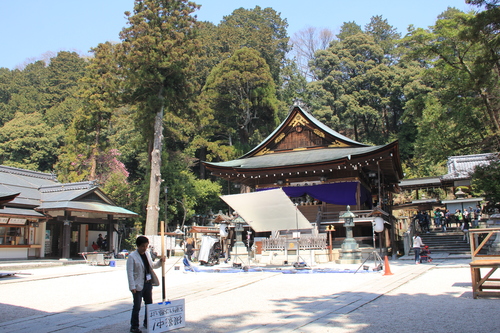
{"points": [[31, 28]]}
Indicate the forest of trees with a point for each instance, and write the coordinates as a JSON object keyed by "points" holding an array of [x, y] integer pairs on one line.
{"points": [[176, 91]]}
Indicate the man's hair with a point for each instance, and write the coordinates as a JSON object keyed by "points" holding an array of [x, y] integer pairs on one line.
{"points": [[141, 240]]}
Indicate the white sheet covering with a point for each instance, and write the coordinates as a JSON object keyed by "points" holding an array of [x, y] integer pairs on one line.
{"points": [[267, 210], [206, 244]]}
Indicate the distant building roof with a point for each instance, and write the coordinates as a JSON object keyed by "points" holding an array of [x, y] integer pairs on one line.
{"points": [[420, 182], [33, 192], [463, 200], [459, 168], [462, 167]]}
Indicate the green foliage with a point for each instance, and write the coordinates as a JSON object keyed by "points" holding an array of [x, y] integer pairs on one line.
{"points": [[454, 115], [383, 33], [242, 95], [260, 29], [118, 188], [349, 29], [486, 180], [294, 86], [63, 74], [23, 91], [28, 142], [186, 193], [156, 58], [361, 91]]}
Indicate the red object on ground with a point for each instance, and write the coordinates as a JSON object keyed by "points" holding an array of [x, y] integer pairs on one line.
{"points": [[386, 266]]}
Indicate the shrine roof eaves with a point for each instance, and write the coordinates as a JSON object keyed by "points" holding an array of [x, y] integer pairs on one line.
{"points": [[294, 158]]}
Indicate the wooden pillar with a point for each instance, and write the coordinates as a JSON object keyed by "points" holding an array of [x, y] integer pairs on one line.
{"points": [[66, 235], [111, 228]]}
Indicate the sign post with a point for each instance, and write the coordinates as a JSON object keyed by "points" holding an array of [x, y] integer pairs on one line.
{"points": [[167, 315], [162, 236]]}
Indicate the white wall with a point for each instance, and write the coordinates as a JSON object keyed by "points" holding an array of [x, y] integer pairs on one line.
{"points": [[40, 239], [14, 253]]}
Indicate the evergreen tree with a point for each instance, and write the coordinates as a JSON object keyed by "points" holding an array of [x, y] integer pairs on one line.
{"points": [[242, 95], [156, 58]]}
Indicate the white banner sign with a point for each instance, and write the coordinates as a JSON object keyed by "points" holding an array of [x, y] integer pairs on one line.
{"points": [[164, 317], [155, 243]]}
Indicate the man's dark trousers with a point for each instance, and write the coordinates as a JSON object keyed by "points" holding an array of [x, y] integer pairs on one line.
{"points": [[147, 294]]}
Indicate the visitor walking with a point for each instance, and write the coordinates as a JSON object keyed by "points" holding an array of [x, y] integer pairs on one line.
{"points": [[438, 215], [459, 217], [189, 248], [465, 229], [426, 222], [477, 216], [417, 245], [447, 219]]}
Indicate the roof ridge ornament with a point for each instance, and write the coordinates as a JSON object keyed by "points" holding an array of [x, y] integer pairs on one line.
{"points": [[68, 186], [28, 173]]}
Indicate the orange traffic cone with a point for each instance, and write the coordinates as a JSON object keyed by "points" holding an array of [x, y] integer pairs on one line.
{"points": [[386, 265]]}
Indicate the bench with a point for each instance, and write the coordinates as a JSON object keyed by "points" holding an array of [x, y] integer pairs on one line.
{"points": [[97, 258], [479, 245], [479, 284]]}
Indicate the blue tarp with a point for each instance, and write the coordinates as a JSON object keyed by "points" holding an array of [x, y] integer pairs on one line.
{"points": [[335, 193]]}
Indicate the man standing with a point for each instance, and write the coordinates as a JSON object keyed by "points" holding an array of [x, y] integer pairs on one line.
{"points": [[141, 279]]}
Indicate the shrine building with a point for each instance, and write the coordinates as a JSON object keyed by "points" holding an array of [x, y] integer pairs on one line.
{"points": [[322, 172], [43, 218]]}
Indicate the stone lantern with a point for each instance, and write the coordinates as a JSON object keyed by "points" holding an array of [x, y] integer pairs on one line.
{"points": [[349, 251]]}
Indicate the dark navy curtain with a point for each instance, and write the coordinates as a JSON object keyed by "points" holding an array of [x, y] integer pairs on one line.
{"points": [[336, 193]]}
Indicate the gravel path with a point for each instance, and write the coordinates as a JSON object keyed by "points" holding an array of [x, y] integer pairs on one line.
{"points": [[433, 297]]}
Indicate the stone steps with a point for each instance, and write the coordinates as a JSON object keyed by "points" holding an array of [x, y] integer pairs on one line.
{"points": [[451, 242]]}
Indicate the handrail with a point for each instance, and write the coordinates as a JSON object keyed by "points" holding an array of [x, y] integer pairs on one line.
{"points": [[476, 247]]}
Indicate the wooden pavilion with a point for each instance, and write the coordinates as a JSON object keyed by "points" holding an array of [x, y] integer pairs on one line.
{"points": [[41, 217], [321, 171]]}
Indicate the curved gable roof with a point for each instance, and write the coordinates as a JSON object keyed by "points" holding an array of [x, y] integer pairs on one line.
{"points": [[296, 116]]}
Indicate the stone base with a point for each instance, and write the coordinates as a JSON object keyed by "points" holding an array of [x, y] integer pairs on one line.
{"points": [[348, 261], [239, 249], [349, 257], [280, 257]]}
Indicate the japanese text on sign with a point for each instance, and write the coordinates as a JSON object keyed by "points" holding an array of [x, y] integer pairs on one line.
{"points": [[163, 317]]}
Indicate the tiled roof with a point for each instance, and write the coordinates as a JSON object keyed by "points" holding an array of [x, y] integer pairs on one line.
{"points": [[42, 190], [97, 207], [461, 167], [296, 158], [414, 182], [26, 183], [58, 187]]}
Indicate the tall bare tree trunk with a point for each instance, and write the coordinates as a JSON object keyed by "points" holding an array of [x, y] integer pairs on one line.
{"points": [[95, 153], [153, 207], [203, 157]]}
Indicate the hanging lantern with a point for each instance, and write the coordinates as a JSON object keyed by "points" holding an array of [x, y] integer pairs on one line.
{"points": [[378, 224]]}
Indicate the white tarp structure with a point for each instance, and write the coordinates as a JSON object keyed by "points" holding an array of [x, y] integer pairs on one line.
{"points": [[268, 210], [206, 245]]}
